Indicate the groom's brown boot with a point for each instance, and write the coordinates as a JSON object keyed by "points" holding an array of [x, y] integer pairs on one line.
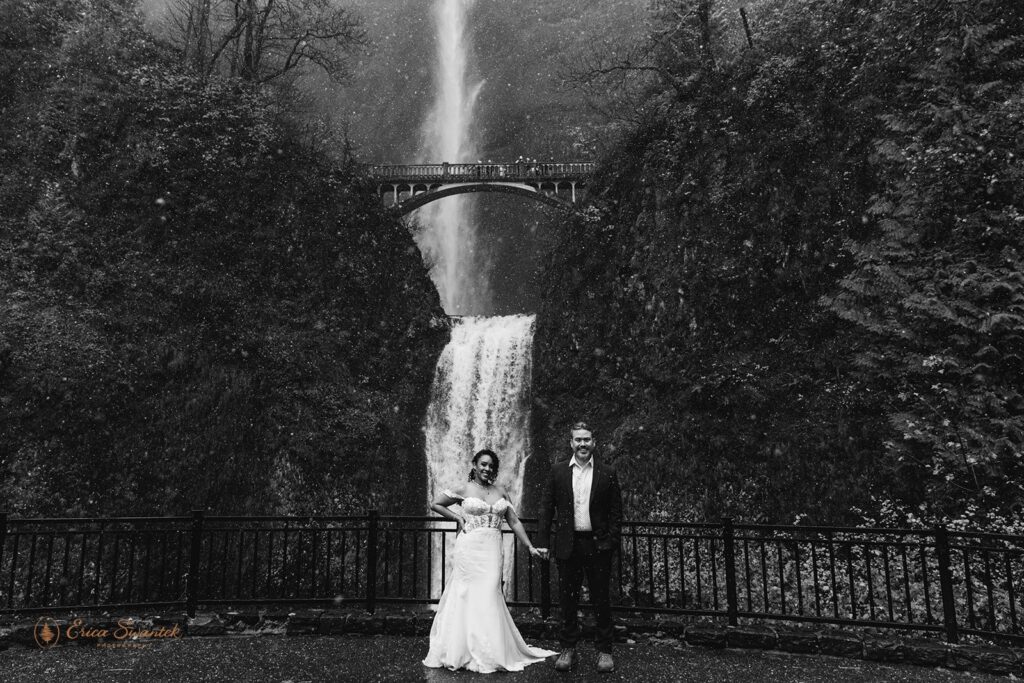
{"points": [[565, 659]]}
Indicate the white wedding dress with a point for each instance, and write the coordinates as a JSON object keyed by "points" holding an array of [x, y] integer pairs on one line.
{"points": [[473, 628]]}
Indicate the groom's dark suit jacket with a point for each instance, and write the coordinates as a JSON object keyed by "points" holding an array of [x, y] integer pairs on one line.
{"points": [[605, 509]]}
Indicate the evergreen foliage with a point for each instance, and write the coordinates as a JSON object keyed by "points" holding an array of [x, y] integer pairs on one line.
{"points": [[197, 308], [797, 298]]}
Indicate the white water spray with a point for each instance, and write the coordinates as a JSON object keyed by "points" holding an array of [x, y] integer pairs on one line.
{"points": [[480, 398], [448, 239]]}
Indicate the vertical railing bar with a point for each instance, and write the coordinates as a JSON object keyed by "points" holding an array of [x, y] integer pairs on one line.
{"points": [[371, 561], [147, 567], [635, 578], [328, 562], [49, 566], [14, 569], [817, 583], [81, 568], [195, 547], [415, 564], [96, 592], [782, 576], [254, 573], [225, 544], [712, 551], [344, 561], [116, 565], [696, 564], [238, 590], [946, 585], [619, 577], [650, 566], [162, 564], [871, 583], [989, 589], [545, 586], [853, 588], [387, 560], [746, 573], [906, 583], [64, 566], [969, 587], [682, 571], [888, 580], [316, 533], [283, 583], [268, 588], [515, 568], [667, 573], [728, 541], [927, 584], [130, 579], [1010, 592], [206, 587], [764, 574], [832, 573], [31, 570], [179, 537], [799, 577], [401, 563], [444, 557]]}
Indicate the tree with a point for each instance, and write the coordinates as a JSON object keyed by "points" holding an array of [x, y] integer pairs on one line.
{"points": [[262, 40]]}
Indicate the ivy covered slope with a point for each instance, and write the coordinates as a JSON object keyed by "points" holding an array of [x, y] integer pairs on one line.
{"points": [[196, 308], [802, 295]]}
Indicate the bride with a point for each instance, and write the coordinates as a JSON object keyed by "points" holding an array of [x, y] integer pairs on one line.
{"points": [[473, 628]]}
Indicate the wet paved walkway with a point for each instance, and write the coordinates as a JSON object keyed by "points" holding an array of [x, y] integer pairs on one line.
{"points": [[393, 658]]}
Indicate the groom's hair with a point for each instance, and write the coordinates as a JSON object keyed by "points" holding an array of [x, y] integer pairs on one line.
{"points": [[580, 425]]}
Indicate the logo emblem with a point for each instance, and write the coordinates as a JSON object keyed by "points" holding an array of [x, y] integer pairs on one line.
{"points": [[46, 633]]}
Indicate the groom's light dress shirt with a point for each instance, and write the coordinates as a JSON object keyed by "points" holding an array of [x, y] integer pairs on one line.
{"points": [[582, 479]]}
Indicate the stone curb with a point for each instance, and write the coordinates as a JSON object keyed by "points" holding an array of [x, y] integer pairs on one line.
{"points": [[18, 631]]}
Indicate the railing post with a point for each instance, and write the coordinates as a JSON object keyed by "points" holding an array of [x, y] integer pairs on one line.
{"points": [[728, 538], [371, 561], [195, 545], [946, 585]]}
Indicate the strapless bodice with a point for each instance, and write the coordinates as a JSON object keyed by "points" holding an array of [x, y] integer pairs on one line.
{"points": [[479, 514]]}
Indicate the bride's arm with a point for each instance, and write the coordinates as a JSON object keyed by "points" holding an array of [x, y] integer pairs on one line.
{"points": [[517, 528], [441, 505]]}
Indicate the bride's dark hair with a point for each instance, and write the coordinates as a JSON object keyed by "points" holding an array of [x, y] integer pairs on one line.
{"points": [[480, 454]]}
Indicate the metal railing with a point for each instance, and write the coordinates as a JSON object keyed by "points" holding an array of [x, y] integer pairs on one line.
{"points": [[519, 171], [952, 583]]}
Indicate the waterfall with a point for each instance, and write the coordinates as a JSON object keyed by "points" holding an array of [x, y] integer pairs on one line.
{"points": [[480, 398], [448, 237]]}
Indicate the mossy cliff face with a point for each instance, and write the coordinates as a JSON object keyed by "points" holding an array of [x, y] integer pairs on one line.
{"points": [[197, 308], [798, 292]]}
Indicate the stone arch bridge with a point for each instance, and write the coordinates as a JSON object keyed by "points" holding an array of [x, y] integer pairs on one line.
{"points": [[406, 188]]}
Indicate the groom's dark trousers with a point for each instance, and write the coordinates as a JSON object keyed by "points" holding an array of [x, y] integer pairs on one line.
{"points": [[587, 561], [583, 554]]}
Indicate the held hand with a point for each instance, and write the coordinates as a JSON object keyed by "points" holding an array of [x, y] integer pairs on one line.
{"points": [[542, 553]]}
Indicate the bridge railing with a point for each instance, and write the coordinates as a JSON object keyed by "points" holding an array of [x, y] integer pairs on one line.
{"points": [[952, 583], [482, 172]]}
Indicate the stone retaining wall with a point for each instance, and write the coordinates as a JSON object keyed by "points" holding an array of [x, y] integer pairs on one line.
{"points": [[853, 643]]}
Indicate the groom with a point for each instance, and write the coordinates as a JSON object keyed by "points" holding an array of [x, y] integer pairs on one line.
{"points": [[584, 495]]}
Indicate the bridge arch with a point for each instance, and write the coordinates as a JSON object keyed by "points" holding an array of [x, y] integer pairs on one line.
{"points": [[424, 197], [406, 188]]}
